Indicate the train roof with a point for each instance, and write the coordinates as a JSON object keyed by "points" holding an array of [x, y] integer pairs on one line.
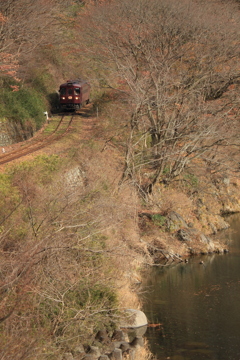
{"points": [[78, 83]]}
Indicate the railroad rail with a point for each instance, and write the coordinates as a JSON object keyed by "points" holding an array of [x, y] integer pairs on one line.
{"points": [[39, 141]]}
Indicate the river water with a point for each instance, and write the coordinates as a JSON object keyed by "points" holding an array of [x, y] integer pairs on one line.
{"points": [[197, 305]]}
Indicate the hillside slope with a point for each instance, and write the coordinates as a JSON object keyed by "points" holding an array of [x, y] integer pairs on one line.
{"points": [[68, 222]]}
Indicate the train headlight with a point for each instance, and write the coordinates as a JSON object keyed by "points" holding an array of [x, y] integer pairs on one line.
{"points": [[63, 97], [70, 97], [76, 98]]}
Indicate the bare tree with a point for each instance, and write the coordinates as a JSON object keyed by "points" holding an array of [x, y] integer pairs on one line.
{"points": [[26, 25], [178, 62], [56, 274]]}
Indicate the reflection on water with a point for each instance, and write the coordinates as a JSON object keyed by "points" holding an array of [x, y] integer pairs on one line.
{"points": [[198, 306]]}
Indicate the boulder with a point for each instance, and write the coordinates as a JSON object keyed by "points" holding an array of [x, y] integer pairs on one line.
{"points": [[175, 221], [205, 239], [134, 319], [137, 342], [94, 351], [185, 235], [116, 355], [125, 346]]}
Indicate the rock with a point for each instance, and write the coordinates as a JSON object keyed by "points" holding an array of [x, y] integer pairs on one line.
{"points": [[116, 344], [103, 337], [184, 235], [132, 354], [134, 319], [94, 350], [118, 335], [226, 181], [67, 356], [222, 224], [213, 228], [125, 346], [89, 357], [190, 235], [204, 239], [79, 350], [116, 355], [75, 177], [136, 332], [138, 341], [175, 221]]}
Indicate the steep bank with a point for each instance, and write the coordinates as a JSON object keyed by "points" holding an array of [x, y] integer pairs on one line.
{"points": [[185, 219]]}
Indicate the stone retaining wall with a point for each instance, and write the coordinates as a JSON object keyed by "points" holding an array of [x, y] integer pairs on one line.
{"points": [[115, 347], [124, 343], [5, 138]]}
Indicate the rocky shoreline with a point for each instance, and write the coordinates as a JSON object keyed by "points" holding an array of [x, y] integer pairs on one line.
{"points": [[124, 342], [188, 222]]}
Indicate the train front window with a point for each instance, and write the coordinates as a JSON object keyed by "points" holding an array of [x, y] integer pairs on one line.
{"points": [[70, 91], [77, 91], [63, 91]]}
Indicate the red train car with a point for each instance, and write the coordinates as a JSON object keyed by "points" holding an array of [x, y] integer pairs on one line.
{"points": [[74, 94]]}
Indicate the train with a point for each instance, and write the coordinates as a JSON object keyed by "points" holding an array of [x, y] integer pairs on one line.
{"points": [[74, 94]]}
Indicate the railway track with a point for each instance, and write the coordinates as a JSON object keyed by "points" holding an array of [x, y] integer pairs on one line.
{"points": [[39, 141]]}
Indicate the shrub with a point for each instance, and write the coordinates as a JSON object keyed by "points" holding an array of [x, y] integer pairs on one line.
{"points": [[25, 105], [158, 219], [41, 168]]}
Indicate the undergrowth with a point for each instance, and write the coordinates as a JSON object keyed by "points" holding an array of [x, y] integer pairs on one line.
{"points": [[60, 288], [24, 105]]}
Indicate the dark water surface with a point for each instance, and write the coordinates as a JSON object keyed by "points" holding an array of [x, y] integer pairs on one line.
{"points": [[198, 305]]}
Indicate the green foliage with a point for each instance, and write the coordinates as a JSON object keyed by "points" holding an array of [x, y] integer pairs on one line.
{"points": [[42, 82], [166, 170], [158, 219], [83, 302], [20, 232], [24, 105], [9, 195], [5, 185], [42, 168], [93, 296], [45, 162], [32, 104], [191, 179], [74, 9], [53, 99]]}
